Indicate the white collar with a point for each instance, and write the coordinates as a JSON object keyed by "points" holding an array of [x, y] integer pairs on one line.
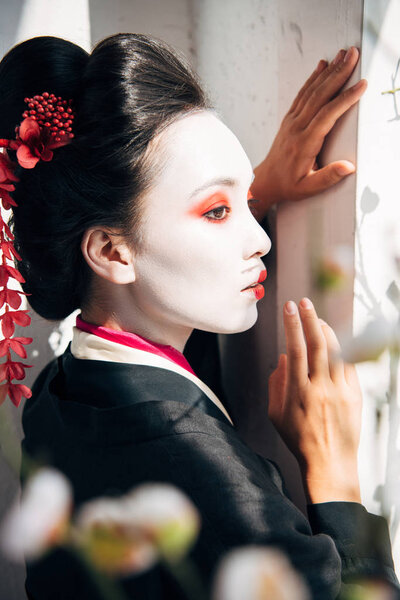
{"points": [[93, 347]]}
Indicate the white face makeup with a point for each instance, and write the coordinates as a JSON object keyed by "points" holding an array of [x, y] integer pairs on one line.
{"points": [[197, 256]]}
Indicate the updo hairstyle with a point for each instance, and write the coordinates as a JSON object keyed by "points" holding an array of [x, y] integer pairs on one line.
{"points": [[129, 89]]}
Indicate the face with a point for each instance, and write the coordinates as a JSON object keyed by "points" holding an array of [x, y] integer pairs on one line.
{"points": [[201, 243]]}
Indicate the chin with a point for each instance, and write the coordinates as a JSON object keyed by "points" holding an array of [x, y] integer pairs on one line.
{"points": [[243, 323]]}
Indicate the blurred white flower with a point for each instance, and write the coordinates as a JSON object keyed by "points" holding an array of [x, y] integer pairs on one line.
{"points": [[40, 520], [257, 573], [167, 516], [376, 337], [112, 541], [128, 534], [335, 268]]}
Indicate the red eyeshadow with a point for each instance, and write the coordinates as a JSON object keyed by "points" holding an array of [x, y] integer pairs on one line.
{"points": [[217, 199]]}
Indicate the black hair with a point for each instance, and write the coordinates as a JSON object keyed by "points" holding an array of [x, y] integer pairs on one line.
{"points": [[128, 90]]}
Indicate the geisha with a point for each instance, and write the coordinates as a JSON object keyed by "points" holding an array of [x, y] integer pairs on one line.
{"points": [[147, 221]]}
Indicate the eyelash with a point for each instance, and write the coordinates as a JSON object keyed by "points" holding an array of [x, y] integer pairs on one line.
{"points": [[251, 201]]}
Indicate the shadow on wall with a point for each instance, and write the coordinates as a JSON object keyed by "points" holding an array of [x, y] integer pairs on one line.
{"points": [[10, 16], [385, 494], [372, 28]]}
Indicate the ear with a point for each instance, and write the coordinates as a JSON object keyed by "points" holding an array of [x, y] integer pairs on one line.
{"points": [[108, 255]]}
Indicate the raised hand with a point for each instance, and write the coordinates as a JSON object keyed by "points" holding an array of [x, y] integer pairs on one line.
{"points": [[315, 404], [290, 170]]}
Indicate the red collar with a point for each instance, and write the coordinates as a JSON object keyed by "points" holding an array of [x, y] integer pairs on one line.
{"points": [[135, 341]]}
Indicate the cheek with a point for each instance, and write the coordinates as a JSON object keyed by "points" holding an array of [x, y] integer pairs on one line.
{"points": [[187, 247], [185, 260]]}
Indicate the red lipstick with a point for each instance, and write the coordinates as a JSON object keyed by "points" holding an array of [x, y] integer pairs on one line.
{"points": [[263, 276], [256, 288]]}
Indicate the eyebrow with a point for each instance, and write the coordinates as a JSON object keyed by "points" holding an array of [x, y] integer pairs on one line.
{"points": [[218, 181]]}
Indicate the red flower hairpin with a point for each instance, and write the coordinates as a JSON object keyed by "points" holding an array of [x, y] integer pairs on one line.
{"points": [[47, 125]]}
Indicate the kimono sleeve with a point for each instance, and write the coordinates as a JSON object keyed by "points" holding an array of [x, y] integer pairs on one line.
{"points": [[241, 501]]}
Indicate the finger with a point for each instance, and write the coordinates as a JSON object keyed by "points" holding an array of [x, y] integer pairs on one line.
{"points": [[323, 122], [326, 87], [317, 352], [351, 377], [277, 389], [336, 365], [322, 179], [319, 68], [313, 82], [297, 371], [322, 76]]}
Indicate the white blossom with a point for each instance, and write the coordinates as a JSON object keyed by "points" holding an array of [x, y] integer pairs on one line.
{"points": [[128, 534], [257, 573], [377, 336], [40, 519]]}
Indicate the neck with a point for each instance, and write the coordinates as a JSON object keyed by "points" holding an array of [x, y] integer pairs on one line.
{"points": [[155, 332], [116, 307]]}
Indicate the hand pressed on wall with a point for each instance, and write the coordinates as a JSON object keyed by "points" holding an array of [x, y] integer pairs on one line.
{"points": [[315, 404], [290, 170]]}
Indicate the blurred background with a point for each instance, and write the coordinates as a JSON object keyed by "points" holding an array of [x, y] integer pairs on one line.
{"points": [[253, 56]]}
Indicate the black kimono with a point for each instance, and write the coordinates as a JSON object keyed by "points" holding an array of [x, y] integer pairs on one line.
{"points": [[110, 425]]}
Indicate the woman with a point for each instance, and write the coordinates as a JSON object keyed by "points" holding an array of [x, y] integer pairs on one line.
{"points": [[144, 222]]}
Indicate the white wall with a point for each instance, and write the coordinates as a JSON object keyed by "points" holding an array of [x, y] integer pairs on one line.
{"points": [[377, 279]]}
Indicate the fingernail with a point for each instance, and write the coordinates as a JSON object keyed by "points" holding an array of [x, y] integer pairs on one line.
{"points": [[348, 54], [306, 303], [290, 307], [337, 57], [359, 84], [342, 170]]}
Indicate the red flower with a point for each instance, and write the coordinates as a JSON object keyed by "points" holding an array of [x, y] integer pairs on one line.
{"points": [[7, 170], [12, 370], [20, 317], [6, 199], [7, 179], [11, 297], [8, 250], [15, 344], [7, 230], [6, 271], [35, 143], [45, 126], [16, 391]]}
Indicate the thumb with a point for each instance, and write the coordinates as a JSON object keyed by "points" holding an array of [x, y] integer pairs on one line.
{"points": [[323, 179], [277, 388]]}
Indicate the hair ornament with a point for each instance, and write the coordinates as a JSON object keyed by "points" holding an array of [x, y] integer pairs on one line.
{"points": [[47, 124]]}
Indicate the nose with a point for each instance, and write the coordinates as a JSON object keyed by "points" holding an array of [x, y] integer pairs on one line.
{"points": [[257, 241]]}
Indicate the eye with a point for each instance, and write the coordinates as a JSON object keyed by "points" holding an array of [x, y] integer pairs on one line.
{"points": [[219, 211]]}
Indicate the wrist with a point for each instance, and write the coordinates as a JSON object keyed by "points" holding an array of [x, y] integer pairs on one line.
{"points": [[331, 486]]}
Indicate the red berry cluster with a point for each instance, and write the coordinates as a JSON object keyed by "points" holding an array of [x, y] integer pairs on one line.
{"points": [[52, 113]]}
